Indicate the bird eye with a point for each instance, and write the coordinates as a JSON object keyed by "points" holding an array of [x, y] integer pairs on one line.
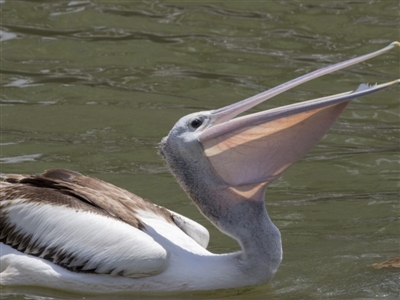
{"points": [[196, 122]]}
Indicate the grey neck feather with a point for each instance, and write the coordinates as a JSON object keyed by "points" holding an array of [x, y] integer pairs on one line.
{"points": [[245, 220]]}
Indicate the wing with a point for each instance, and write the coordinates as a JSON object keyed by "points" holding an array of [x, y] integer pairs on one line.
{"points": [[80, 223], [99, 193], [193, 229]]}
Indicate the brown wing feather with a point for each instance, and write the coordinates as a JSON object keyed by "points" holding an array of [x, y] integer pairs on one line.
{"points": [[95, 192]]}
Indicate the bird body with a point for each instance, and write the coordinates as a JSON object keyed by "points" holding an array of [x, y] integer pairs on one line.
{"points": [[153, 244], [64, 230]]}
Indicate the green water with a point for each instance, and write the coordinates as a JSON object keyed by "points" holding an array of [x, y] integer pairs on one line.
{"points": [[93, 86]]}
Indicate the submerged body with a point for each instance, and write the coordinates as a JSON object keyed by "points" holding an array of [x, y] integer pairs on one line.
{"points": [[64, 230]]}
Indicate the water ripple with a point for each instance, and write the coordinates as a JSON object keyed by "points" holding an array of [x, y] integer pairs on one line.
{"points": [[101, 33], [19, 159], [4, 36]]}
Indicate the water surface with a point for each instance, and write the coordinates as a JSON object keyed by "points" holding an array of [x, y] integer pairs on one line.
{"points": [[93, 86]]}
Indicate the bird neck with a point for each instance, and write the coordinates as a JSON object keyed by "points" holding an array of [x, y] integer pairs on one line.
{"points": [[245, 220]]}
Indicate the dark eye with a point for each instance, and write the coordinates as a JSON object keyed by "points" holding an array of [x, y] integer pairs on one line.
{"points": [[196, 122]]}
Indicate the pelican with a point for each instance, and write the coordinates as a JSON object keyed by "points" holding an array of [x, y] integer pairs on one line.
{"points": [[64, 230]]}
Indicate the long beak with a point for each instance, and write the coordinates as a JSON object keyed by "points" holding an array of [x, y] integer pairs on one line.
{"points": [[249, 152]]}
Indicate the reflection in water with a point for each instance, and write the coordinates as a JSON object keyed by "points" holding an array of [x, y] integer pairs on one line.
{"points": [[119, 74]]}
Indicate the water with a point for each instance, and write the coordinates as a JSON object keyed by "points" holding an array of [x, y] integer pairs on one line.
{"points": [[94, 85]]}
